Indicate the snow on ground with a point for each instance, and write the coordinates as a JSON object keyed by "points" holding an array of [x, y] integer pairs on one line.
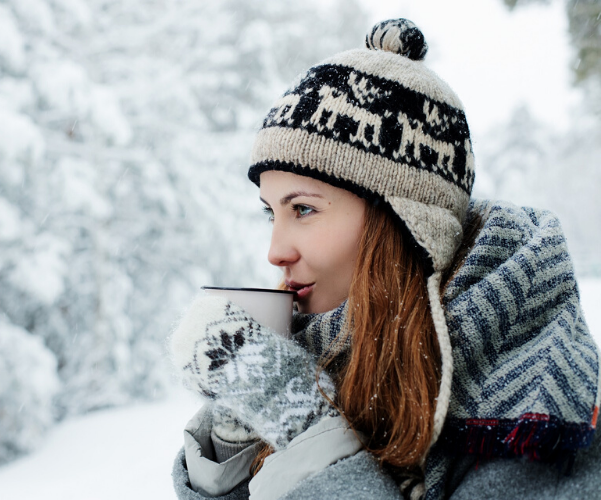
{"points": [[123, 453], [127, 453]]}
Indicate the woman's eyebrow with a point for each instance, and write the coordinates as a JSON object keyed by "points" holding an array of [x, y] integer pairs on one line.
{"points": [[289, 197]]}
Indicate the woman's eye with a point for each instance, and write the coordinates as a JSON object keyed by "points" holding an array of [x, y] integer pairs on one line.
{"points": [[269, 212], [302, 210]]}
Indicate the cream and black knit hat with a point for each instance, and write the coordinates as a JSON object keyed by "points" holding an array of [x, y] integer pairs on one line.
{"points": [[377, 122]]}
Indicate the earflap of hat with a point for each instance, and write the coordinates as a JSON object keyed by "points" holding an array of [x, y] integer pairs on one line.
{"points": [[436, 229]]}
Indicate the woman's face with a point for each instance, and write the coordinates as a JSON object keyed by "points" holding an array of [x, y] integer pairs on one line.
{"points": [[315, 237]]}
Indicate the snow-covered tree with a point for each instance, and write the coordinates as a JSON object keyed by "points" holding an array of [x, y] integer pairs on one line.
{"points": [[28, 383], [125, 129]]}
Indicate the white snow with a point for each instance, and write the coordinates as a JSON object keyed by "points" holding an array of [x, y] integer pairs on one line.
{"points": [[38, 14], [9, 221], [590, 298], [21, 140], [28, 383], [79, 187], [127, 453], [42, 273], [12, 52], [63, 85], [107, 116]]}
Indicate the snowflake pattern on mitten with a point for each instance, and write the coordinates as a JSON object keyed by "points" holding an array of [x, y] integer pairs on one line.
{"points": [[268, 381]]}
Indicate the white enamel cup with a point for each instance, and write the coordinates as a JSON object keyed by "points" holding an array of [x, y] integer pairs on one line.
{"points": [[271, 308]]}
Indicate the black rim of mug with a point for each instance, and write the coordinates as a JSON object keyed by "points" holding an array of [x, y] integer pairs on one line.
{"points": [[264, 290]]}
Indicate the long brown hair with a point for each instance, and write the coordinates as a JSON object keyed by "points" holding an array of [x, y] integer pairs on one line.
{"points": [[387, 390]]}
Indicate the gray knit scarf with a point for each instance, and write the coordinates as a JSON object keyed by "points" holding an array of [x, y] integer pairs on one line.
{"points": [[525, 368], [317, 332]]}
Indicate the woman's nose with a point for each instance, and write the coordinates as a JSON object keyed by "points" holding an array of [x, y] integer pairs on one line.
{"points": [[282, 251]]}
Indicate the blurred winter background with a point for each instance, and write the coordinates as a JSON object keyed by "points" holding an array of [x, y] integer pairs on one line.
{"points": [[125, 128]]}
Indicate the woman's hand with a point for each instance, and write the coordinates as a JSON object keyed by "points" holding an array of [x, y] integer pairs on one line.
{"points": [[268, 381]]}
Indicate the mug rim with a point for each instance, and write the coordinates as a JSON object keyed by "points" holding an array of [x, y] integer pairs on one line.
{"points": [[263, 290]]}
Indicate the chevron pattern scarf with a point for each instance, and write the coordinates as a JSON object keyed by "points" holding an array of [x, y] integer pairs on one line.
{"points": [[526, 370], [317, 333]]}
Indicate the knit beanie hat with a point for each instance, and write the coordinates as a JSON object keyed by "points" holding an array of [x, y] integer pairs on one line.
{"points": [[377, 122]]}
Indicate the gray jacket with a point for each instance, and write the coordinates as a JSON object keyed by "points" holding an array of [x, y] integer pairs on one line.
{"points": [[324, 462]]}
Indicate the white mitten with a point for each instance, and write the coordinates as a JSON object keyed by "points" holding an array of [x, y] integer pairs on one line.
{"points": [[269, 382]]}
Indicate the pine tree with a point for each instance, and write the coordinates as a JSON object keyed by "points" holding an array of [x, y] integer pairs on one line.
{"points": [[125, 130]]}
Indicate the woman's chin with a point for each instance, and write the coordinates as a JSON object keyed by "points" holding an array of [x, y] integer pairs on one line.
{"points": [[303, 307], [306, 307], [315, 306]]}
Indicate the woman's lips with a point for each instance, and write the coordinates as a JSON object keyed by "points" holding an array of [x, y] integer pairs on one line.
{"points": [[301, 290]]}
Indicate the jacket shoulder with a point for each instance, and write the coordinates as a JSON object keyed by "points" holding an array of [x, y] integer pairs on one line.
{"points": [[356, 477]]}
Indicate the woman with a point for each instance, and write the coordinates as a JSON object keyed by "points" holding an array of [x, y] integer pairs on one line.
{"points": [[433, 333]]}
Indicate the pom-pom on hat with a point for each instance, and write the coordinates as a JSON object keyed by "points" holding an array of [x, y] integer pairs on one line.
{"points": [[400, 36], [377, 122]]}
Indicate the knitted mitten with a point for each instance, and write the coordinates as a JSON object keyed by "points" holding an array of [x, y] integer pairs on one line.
{"points": [[268, 381], [227, 426]]}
